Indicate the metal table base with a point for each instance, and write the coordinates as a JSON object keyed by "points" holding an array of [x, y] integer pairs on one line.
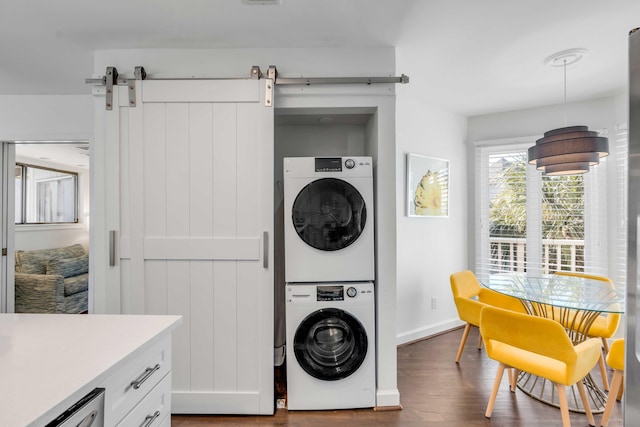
{"points": [[545, 391]]}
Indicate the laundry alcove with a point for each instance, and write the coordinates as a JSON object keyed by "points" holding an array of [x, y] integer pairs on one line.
{"points": [[309, 132]]}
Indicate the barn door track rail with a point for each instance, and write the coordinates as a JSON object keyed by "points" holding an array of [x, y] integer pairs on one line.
{"points": [[111, 79]]}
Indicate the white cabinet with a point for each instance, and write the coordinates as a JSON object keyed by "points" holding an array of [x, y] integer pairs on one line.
{"points": [[140, 388], [154, 407], [49, 362]]}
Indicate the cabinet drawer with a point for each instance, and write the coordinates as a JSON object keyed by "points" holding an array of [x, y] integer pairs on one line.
{"points": [[131, 383], [154, 409]]}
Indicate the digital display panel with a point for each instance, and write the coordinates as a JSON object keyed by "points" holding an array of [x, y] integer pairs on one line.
{"points": [[328, 164], [330, 293]]}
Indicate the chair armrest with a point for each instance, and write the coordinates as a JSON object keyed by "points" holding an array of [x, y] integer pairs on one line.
{"points": [[587, 354], [39, 293], [469, 310]]}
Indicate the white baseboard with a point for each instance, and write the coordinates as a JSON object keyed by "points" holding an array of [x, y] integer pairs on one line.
{"points": [[427, 331]]}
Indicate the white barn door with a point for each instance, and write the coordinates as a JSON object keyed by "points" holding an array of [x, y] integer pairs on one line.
{"points": [[196, 229]]}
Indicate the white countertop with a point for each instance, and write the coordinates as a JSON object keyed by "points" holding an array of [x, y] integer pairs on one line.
{"points": [[49, 361]]}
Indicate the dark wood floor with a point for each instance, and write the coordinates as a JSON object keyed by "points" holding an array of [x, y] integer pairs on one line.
{"points": [[433, 391]]}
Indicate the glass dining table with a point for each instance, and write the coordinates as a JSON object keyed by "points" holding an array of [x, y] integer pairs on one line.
{"points": [[575, 302]]}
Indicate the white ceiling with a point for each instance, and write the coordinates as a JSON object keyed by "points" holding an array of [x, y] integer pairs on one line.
{"points": [[62, 156], [474, 56]]}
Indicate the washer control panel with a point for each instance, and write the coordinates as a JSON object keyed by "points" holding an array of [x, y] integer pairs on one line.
{"points": [[330, 293], [335, 164], [337, 292]]}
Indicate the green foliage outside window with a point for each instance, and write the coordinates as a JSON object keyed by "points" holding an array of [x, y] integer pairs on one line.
{"points": [[562, 209]]}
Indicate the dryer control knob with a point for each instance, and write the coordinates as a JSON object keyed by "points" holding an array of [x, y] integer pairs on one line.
{"points": [[352, 292], [350, 163]]}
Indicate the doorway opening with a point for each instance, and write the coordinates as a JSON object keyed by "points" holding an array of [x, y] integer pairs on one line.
{"points": [[46, 223]]}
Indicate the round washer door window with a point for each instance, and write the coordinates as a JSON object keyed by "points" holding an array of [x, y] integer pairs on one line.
{"points": [[329, 214], [330, 344]]}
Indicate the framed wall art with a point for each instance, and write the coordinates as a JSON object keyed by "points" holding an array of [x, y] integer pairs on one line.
{"points": [[427, 186]]}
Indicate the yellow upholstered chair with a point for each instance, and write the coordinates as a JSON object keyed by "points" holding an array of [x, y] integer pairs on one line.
{"points": [[541, 347], [469, 297], [605, 325], [615, 359]]}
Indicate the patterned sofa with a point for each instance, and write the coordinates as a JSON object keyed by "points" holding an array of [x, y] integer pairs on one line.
{"points": [[52, 280]]}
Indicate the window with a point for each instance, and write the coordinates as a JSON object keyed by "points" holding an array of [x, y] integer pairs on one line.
{"points": [[539, 224], [563, 232], [45, 196], [507, 206]]}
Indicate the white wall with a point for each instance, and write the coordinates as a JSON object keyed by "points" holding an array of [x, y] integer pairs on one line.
{"points": [[234, 63], [597, 114], [429, 249], [312, 62], [43, 237], [46, 117]]}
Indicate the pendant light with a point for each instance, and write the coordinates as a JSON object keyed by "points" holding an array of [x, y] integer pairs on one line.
{"points": [[568, 150]]}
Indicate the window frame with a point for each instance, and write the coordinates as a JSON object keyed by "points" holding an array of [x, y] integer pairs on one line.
{"points": [[22, 221]]}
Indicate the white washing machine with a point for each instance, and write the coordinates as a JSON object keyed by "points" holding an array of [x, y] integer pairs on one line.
{"points": [[330, 346], [328, 229]]}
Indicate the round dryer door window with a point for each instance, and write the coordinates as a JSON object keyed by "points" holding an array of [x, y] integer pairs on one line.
{"points": [[330, 344], [329, 214]]}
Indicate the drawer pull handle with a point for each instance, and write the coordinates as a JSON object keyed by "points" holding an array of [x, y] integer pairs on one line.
{"points": [[150, 419], [145, 376], [112, 248], [89, 419], [265, 249]]}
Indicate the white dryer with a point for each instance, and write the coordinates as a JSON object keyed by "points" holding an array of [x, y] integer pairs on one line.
{"points": [[330, 346], [328, 206]]}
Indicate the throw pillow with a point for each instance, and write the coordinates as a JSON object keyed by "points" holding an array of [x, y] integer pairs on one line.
{"points": [[69, 267]]}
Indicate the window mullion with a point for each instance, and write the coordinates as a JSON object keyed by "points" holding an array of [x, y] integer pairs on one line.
{"points": [[534, 223], [24, 195]]}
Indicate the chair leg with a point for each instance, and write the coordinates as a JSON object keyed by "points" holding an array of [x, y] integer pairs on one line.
{"points": [[479, 342], [619, 397], [585, 403], [465, 334], [603, 372], [514, 380], [494, 391], [564, 405], [616, 382], [605, 344]]}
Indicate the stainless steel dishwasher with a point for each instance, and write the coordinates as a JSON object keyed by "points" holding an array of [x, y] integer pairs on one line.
{"points": [[86, 412]]}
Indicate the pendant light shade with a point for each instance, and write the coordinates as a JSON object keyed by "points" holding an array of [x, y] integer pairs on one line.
{"points": [[567, 150]]}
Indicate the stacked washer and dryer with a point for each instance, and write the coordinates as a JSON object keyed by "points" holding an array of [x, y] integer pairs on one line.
{"points": [[330, 266]]}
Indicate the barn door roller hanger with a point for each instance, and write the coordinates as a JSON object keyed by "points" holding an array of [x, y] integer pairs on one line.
{"points": [[111, 79]]}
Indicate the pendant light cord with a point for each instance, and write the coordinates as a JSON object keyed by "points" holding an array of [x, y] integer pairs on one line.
{"points": [[565, 91]]}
